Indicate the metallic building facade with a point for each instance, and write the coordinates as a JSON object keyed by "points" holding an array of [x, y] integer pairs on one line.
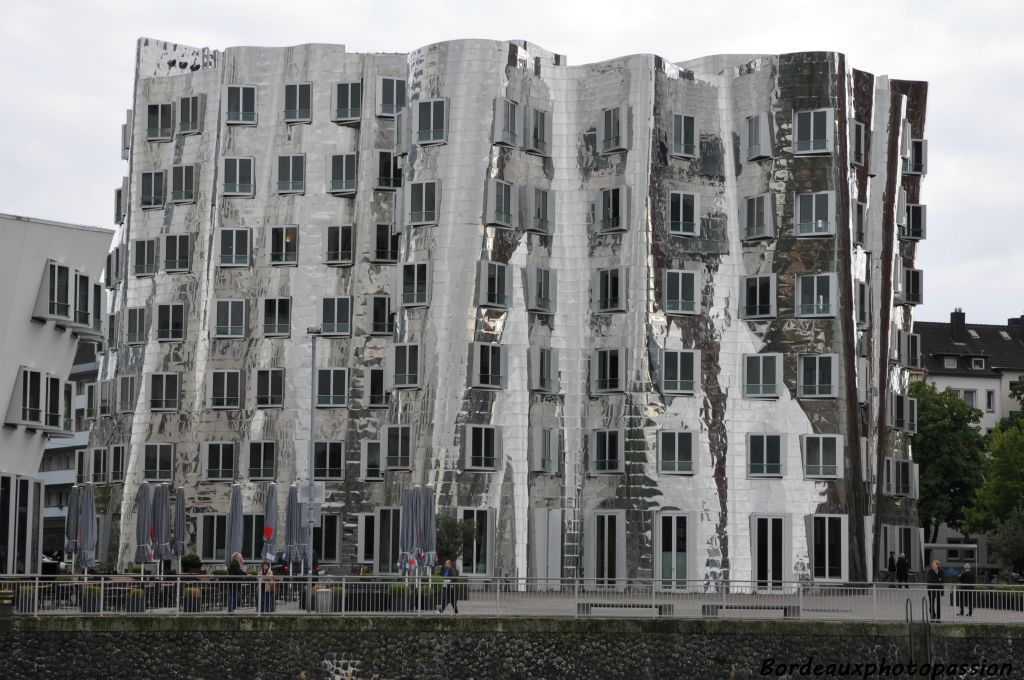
{"points": [[633, 319]]}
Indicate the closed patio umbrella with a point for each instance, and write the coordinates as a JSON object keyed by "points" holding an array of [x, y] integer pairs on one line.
{"points": [[428, 524], [235, 533], [87, 527], [292, 528], [179, 525], [162, 523], [143, 527], [71, 526], [407, 528], [270, 523]]}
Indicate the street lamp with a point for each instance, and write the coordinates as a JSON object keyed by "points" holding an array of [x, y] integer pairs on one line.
{"points": [[313, 332]]}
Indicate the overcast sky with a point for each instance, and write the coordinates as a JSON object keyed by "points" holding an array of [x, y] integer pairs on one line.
{"points": [[69, 66]]}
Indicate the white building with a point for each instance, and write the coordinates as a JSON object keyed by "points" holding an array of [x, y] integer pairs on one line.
{"points": [[51, 273]]}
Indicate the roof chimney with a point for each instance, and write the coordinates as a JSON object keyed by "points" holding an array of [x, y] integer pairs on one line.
{"points": [[1016, 327], [958, 325]]}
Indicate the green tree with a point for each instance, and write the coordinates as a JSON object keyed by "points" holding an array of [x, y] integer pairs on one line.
{"points": [[1003, 492], [452, 535], [1007, 541], [949, 448]]}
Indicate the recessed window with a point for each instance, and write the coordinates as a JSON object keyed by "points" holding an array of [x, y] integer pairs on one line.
{"points": [[829, 547], [159, 122], [541, 285], [758, 297], [170, 322], [163, 393], [490, 366], [543, 212], [675, 452], [608, 290], [386, 245], [297, 108], [680, 371], [238, 177], [757, 216], [328, 460], [917, 161], [220, 461], [814, 214], [337, 316], [190, 114], [483, 447], [607, 371], [764, 455], [261, 460], [949, 362], [234, 247], [390, 96], [816, 295], [126, 394], [241, 104], [900, 477], [812, 131], [977, 363], [332, 388], [398, 442], [277, 316], [508, 123], [684, 136], [423, 202], [117, 463], [495, 285], [543, 369], [136, 331], [177, 253], [913, 286], [762, 376], [152, 190], [823, 456], [857, 146], [430, 122], [503, 204], [284, 245], [910, 349], [375, 392], [389, 170], [606, 451], [343, 173], [291, 174], [59, 280], [269, 387], [817, 376], [159, 462], [990, 401], [545, 455], [414, 284], [683, 212], [540, 135], [611, 132], [860, 223], [756, 137], [382, 321], [348, 102], [183, 183], [915, 223], [370, 467], [613, 210], [32, 396], [225, 389], [339, 244], [680, 292], [406, 366]]}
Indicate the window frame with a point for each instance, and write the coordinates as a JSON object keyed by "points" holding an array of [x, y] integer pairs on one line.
{"points": [[152, 193], [162, 471], [259, 449], [494, 284], [164, 132], [496, 354], [234, 328], [751, 207], [613, 129], [343, 173], [816, 391], [171, 332], [329, 460], [677, 204], [290, 167], [398, 92], [419, 298], [183, 183], [817, 310], [236, 259], [598, 440], [424, 217], [276, 331], [761, 387], [766, 465], [192, 123], [173, 249], [601, 382], [237, 188], [164, 403], [217, 474], [395, 360], [432, 135], [813, 145], [612, 205], [680, 147], [406, 437], [340, 309], [815, 227], [242, 116], [289, 256], [225, 400], [745, 306], [348, 114], [365, 469], [820, 471], [681, 306], [337, 395], [270, 399], [298, 114], [679, 386], [480, 461], [678, 465]]}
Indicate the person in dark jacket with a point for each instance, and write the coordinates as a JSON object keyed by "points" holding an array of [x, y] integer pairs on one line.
{"points": [[891, 567], [935, 588], [966, 595], [902, 571], [235, 575], [448, 573]]}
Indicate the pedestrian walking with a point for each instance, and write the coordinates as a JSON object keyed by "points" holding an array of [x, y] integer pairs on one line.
{"points": [[966, 595], [902, 571], [935, 588], [891, 568], [235, 576], [448, 573]]}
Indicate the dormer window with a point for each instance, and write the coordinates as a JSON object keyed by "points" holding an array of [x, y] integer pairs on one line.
{"points": [[949, 362], [978, 364]]}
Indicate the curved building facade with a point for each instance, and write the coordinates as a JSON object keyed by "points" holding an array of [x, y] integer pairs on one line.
{"points": [[631, 319]]}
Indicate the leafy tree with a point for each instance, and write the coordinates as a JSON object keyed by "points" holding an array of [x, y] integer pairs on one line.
{"points": [[949, 448], [1003, 492], [452, 535], [1007, 541]]}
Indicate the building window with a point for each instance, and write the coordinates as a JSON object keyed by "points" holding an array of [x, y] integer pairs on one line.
{"points": [[81, 299], [823, 456], [414, 284], [949, 362], [680, 371], [913, 284], [858, 145], [828, 552], [159, 123], [31, 396], [159, 462], [117, 461], [758, 296], [541, 289], [423, 203], [269, 387], [815, 295], [543, 369], [406, 364], [234, 247], [390, 96], [812, 131], [477, 541], [503, 204], [291, 174], [339, 244], [389, 172], [899, 477], [261, 460], [327, 538], [910, 349], [332, 388], [756, 137], [284, 244], [608, 370], [136, 325], [614, 209], [490, 366], [398, 441], [348, 102], [495, 285], [343, 173], [238, 179], [152, 194], [675, 452], [860, 223], [483, 447], [757, 216], [817, 377], [241, 104], [611, 130], [680, 292], [230, 320], [382, 321], [177, 253], [337, 316], [220, 461], [684, 137], [507, 122], [814, 214], [762, 375], [277, 316], [430, 122], [606, 451], [609, 290], [163, 394], [183, 183], [917, 161], [683, 212], [543, 211], [225, 389], [213, 530], [59, 293], [764, 455], [104, 391], [170, 326], [545, 455], [915, 223], [126, 394], [328, 460], [386, 245], [190, 114], [252, 536], [375, 390], [370, 469], [990, 401], [297, 103], [540, 136]]}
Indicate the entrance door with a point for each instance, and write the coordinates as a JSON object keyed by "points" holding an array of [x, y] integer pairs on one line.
{"points": [[768, 552], [672, 551]]}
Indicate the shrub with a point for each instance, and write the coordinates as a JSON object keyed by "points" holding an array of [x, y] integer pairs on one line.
{"points": [[337, 590], [220, 571], [92, 592], [191, 562], [192, 593], [398, 588], [137, 592]]}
